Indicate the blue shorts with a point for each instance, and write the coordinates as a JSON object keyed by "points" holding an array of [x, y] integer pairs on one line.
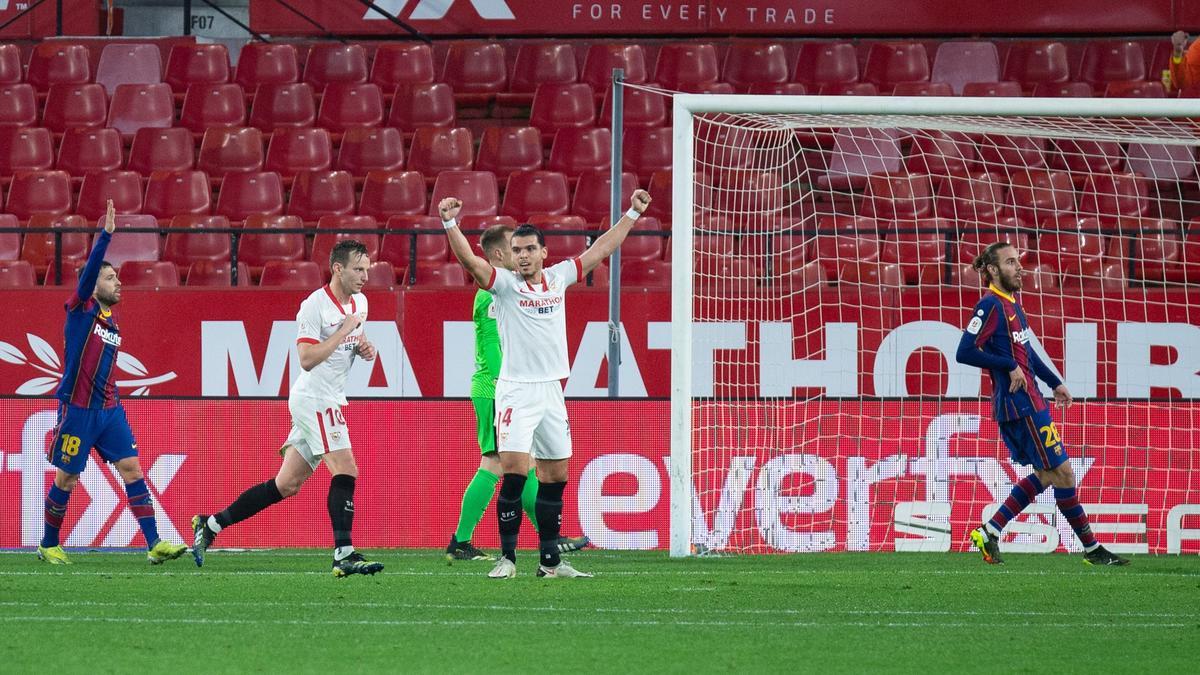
{"points": [[1034, 441], [81, 429]]}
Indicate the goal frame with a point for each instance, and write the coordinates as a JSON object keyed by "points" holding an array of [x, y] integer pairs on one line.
{"points": [[684, 109]]}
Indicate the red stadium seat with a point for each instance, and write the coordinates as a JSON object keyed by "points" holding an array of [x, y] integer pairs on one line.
{"points": [[594, 191], [135, 106], [178, 192], [1188, 269], [1063, 90], [55, 62], [1074, 254], [993, 89], [577, 150], [1035, 63], [536, 192], [11, 71], [293, 151], [923, 89], [543, 63], [547, 222], [1155, 251], [1010, 154], [822, 63], [226, 149], [872, 274], [476, 189], [683, 66], [560, 247], [901, 196], [972, 243], [1040, 194], [343, 221], [17, 274], [1135, 90], [397, 248], [149, 274], [346, 106], [396, 65], [503, 150], [186, 248], [216, 274], [889, 63], [321, 193], [659, 187], [483, 222], [646, 274], [292, 274], [835, 251], [750, 63], [781, 89], [38, 248], [1112, 61], [335, 63], [47, 192], [647, 151], [140, 246], [363, 150], [381, 275], [849, 89], [1085, 157], [475, 68], [385, 193], [1161, 162], [859, 152], [978, 197], [10, 242], [422, 105], [283, 105], [957, 63], [128, 64], [1115, 198], [446, 274], [941, 154], [190, 64], [71, 106], [642, 109], [920, 256], [602, 58], [69, 278], [261, 243], [640, 247], [213, 105], [560, 106], [246, 194], [162, 150], [435, 150], [25, 149], [267, 63], [18, 104], [124, 188]]}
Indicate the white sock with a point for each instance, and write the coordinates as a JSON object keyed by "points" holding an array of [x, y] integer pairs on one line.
{"points": [[213, 524], [1093, 547], [341, 552]]}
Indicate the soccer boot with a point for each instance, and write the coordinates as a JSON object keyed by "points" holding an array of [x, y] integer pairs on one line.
{"points": [[988, 545], [562, 570], [54, 555], [164, 551], [464, 550], [355, 563], [572, 544], [1102, 556], [504, 569], [202, 538]]}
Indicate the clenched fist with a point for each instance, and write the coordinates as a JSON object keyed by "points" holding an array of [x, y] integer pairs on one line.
{"points": [[640, 201], [449, 208]]}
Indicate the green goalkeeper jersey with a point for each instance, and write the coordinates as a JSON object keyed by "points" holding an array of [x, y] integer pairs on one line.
{"points": [[487, 346]]}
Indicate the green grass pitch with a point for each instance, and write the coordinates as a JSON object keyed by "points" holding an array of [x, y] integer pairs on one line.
{"points": [[282, 611]]}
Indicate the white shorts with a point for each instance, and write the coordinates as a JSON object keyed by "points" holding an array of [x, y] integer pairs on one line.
{"points": [[318, 428], [531, 417]]}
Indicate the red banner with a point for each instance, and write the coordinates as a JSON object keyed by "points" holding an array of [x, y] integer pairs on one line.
{"points": [[788, 477], [221, 343], [785, 17]]}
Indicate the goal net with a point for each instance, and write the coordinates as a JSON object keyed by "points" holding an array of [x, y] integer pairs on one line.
{"points": [[826, 244]]}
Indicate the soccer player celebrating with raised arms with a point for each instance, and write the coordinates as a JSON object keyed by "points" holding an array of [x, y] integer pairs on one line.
{"points": [[998, 339], [90, 414], [330, 336], [531, 415]]}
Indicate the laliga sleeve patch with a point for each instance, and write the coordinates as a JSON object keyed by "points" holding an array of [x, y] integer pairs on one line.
{"points": [[975, 325]]}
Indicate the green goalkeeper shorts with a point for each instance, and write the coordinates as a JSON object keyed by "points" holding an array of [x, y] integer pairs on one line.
{"points": [[485, 423]]}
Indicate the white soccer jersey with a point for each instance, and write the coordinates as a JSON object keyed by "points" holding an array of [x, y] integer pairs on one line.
{"points": [[319, 317], [533, 322]]}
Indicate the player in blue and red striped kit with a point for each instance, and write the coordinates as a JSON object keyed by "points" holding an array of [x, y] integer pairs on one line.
{"points": [[999, 340], [90, 414]]}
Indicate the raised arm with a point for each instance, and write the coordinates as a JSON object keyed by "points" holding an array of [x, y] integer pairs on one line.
{"points": [[91, 270], [610, 241], [479, 269]]}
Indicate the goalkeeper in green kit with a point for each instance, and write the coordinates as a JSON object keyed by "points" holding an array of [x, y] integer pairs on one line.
{"points": [[496, 246]]}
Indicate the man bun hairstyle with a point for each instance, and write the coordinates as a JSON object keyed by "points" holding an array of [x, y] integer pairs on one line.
{"points": [[493, 238], [528, 230], [345, 251], [989, 256]]}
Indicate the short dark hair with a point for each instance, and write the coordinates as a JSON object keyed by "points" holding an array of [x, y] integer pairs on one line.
{"points": [[989, 256], [103, 264], [344, 251], [528, 230], [493, 237]]}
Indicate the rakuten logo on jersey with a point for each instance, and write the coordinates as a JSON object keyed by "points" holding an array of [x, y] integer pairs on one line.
{"points": [[432, 10]]}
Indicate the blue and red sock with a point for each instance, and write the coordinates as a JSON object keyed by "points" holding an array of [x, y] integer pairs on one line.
{"points": [[1072, 510], [1025, 491], [56, 510], [143, 510]]}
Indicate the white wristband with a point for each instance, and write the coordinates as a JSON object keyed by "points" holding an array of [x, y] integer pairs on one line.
{"points": [[449, 223], [632, 214]]}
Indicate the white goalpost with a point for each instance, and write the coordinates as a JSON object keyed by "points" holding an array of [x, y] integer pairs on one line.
{"points": [[820, 261]]}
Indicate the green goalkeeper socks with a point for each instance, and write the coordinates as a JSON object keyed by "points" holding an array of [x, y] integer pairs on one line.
{"points": [[529, 498], [474, 502]]}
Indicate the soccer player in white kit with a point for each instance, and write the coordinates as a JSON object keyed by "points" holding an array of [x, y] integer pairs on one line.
{"points": [[531, 416], [329, 337]]}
